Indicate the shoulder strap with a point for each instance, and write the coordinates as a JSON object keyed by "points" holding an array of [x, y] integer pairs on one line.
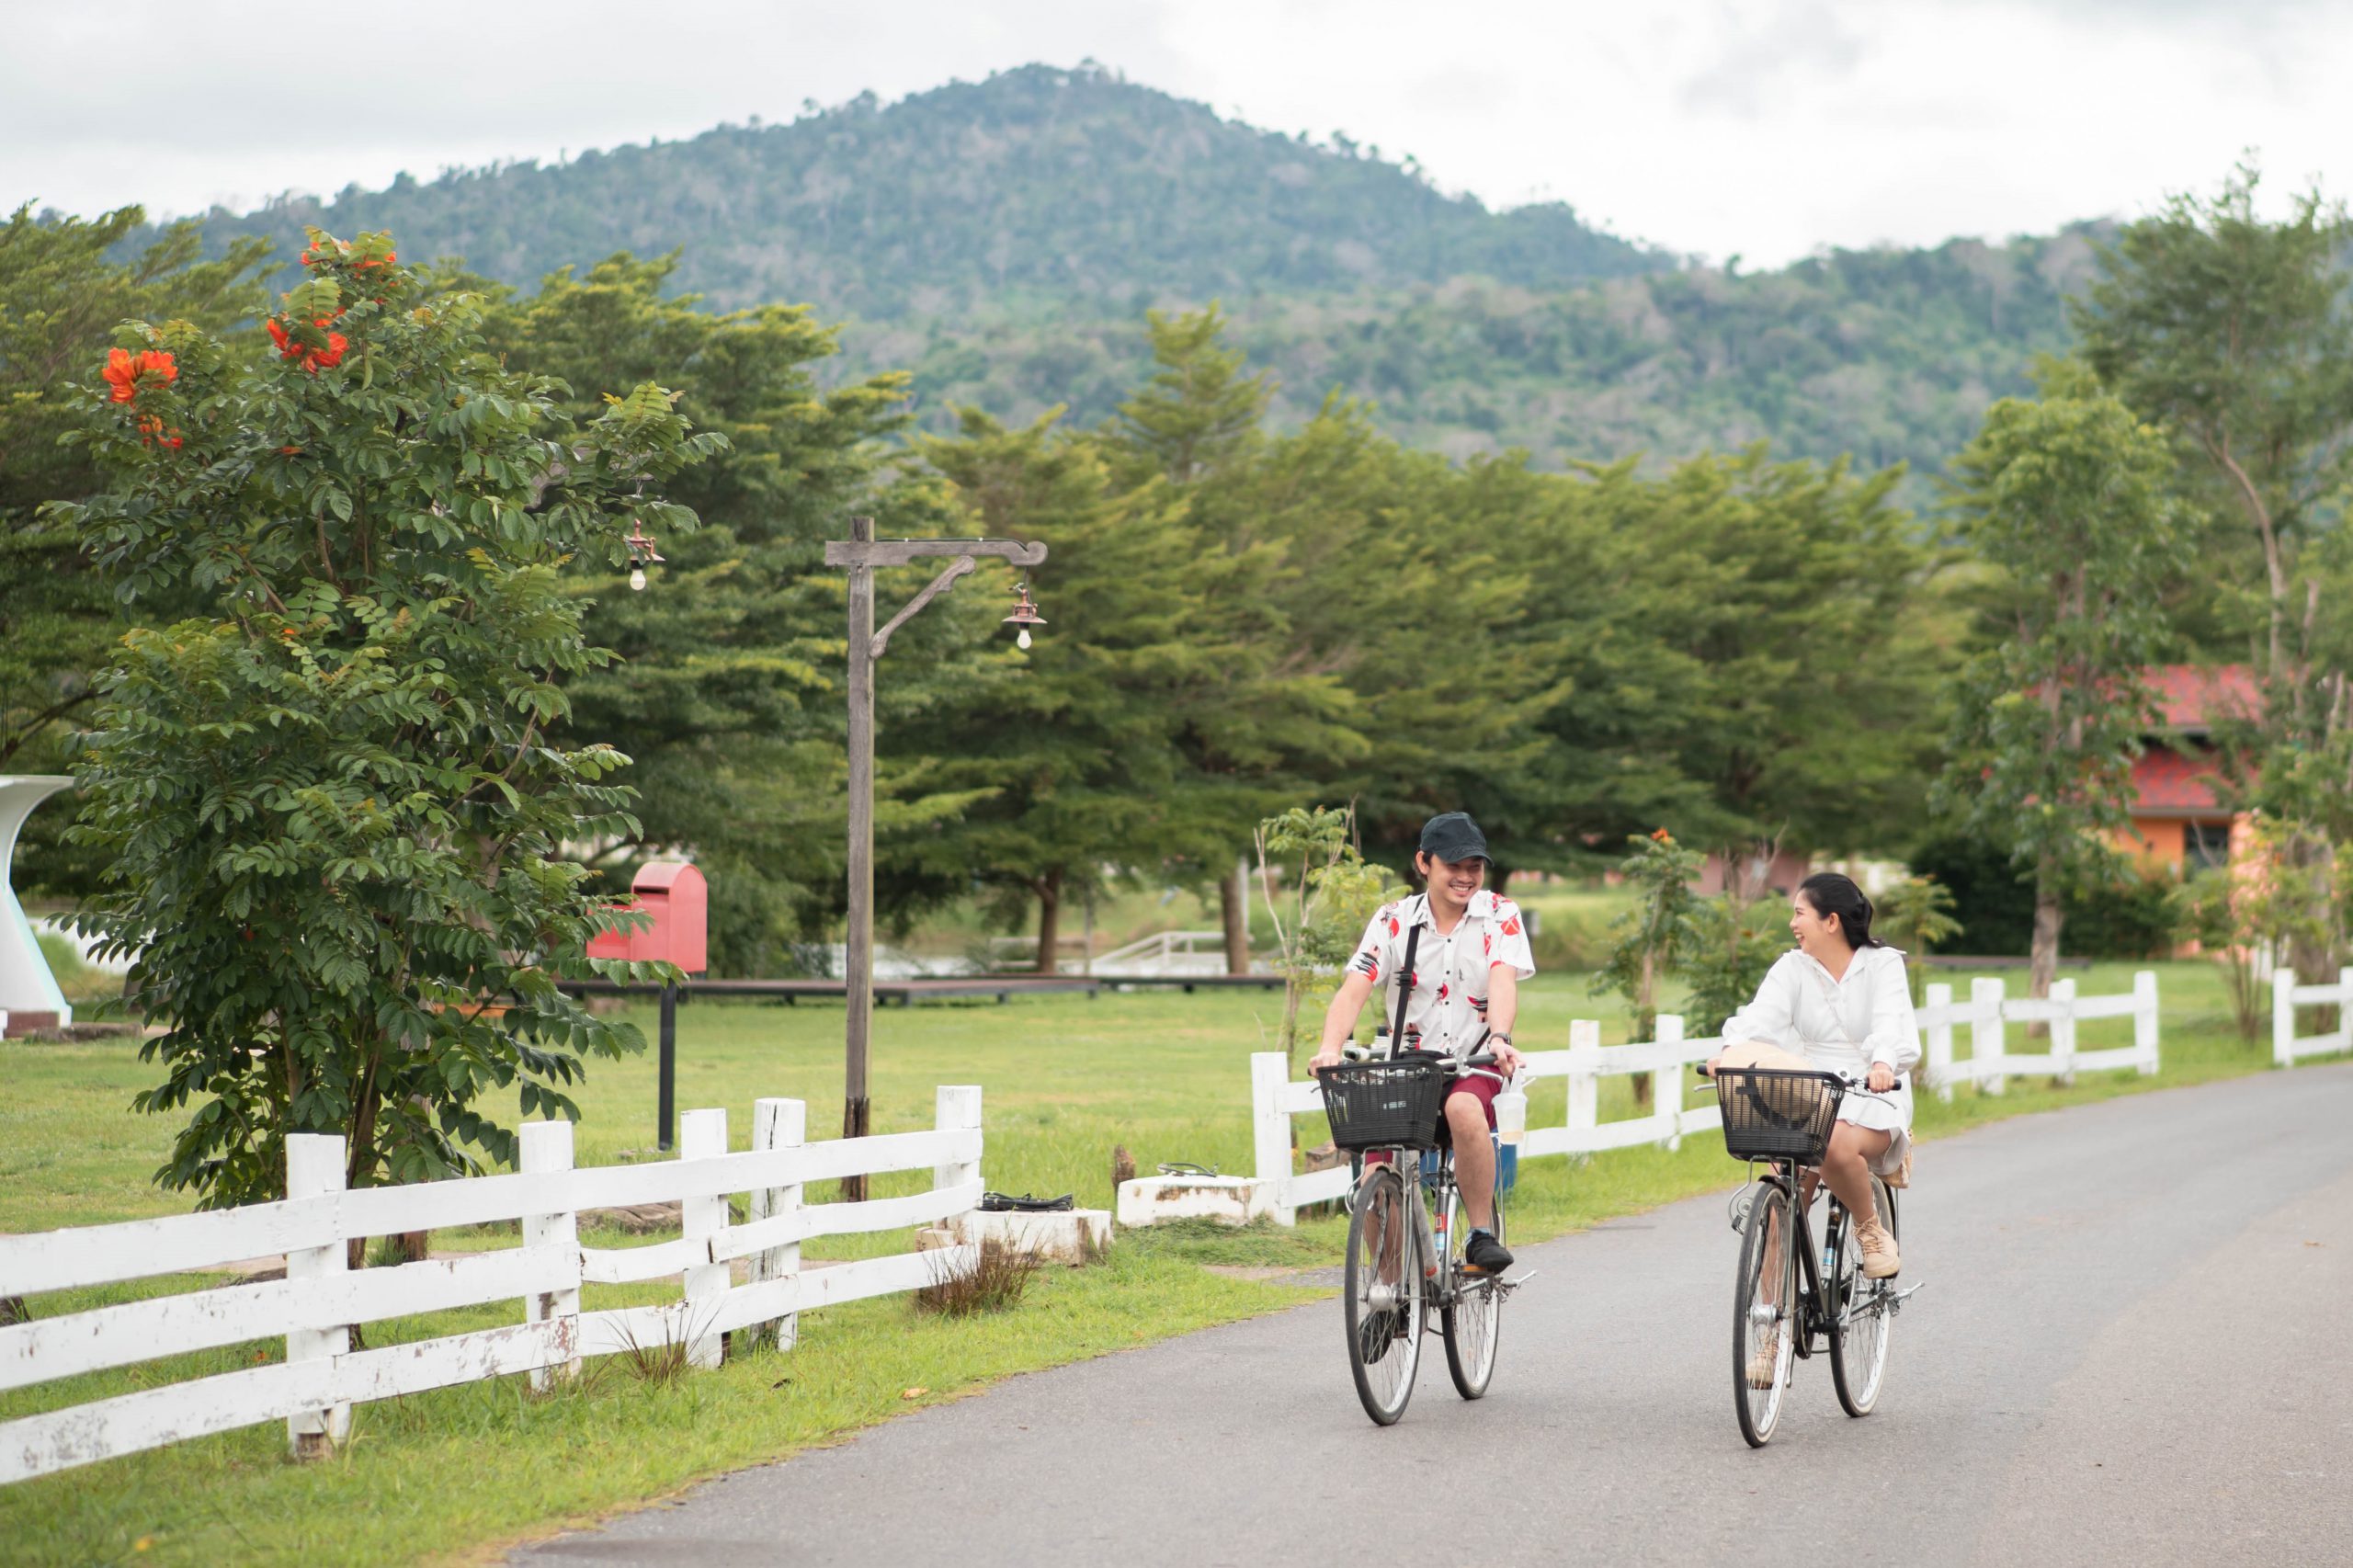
{"points": [[1404, 989]]}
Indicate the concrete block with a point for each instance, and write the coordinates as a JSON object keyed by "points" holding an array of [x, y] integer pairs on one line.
{"points": [[1074, 1236], [1232, 1201]]}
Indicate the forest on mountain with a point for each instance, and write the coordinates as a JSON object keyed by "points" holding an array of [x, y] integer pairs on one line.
{"points": [[1003, 239]]}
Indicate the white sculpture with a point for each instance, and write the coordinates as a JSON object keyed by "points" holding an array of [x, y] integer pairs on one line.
{"points": [[26, 984]]}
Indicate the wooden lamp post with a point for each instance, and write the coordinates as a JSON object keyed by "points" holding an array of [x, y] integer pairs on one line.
{"points": [[862, 552]]}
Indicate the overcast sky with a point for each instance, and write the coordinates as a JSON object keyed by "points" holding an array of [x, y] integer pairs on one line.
{"points": [[1762, 128]]}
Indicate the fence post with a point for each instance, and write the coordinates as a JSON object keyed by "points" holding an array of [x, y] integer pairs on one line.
{"points": [[2345, 1008], [703, 1135], [546, 1150], [1270, 1131], [2062, 1032], [1667, 1082], [2283, 1017], [1940, 1042], [1986, 1045], [314, 1167], [2144, 1020], [956, 1108], [1585, 1084], [777, 1124]]}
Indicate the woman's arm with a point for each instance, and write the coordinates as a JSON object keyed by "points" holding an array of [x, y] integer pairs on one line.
{"points": [[1771, 1015], [1894, 1037]]}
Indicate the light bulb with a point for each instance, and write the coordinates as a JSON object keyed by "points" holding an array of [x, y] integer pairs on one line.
{"points": [[637, 578], [1022, 640]]}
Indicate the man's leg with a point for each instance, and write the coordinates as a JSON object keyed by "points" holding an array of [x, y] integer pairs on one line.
{"points": [[1474, 1157]]}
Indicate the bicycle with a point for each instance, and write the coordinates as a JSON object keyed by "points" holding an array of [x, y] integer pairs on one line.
{"points": [[1405, 1238], [1789, 1297]]}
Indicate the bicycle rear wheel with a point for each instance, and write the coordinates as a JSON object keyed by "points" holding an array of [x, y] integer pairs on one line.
{"points": [[1382, 1298], [1860, 1321], [1472, 1318], [1765, 1322]]}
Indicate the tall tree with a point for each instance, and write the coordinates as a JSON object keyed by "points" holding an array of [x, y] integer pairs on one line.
{"points": [[1196, 426], [1078, 763], [1751, 648], [335, 820], [2237, 333], [727, 689], [2068, 499], [61, 295]]}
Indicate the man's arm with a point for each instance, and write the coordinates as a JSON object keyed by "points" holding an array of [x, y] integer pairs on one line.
{"points": [[1503, 1011], [1340, 1018]]}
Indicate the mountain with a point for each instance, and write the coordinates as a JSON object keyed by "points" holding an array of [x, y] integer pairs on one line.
{"points": [[1003, 239], [1068, 187]]}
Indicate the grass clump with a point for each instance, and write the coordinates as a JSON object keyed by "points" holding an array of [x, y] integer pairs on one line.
{"points": [[995, 1283]]}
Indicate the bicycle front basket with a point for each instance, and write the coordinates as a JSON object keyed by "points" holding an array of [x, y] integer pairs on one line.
{"points": [[1384, 1105], [1775, 1114]]}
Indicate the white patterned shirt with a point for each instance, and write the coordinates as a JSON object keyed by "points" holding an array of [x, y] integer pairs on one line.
{"points": [[1448, 1010]]}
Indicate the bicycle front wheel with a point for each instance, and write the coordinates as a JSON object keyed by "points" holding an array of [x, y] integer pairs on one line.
{"points": [[1382, 1296], [1860, 1331], [1764, 1317], [1472, 1318]]}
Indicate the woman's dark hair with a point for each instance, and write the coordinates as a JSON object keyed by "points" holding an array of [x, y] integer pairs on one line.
{"points": [[1833, 892]]}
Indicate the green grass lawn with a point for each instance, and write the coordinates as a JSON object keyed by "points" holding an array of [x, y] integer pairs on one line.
{"points": [[454, 1473]]}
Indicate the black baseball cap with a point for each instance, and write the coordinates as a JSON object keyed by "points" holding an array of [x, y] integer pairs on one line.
{"points": [[1453, 836]]}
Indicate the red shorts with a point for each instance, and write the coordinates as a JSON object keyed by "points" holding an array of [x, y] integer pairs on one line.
{"points": [[1478, 1086]]}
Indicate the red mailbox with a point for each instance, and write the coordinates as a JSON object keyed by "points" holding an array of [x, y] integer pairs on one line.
{"points": [[674, 895]]}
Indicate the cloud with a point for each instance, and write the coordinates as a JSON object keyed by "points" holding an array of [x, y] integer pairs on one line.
{"points": [[1773, 58]]}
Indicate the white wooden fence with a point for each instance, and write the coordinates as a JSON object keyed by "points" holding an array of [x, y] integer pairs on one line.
{"points": [[1275, 1099], [313, 1390], [1990, 1010], [2287, 1045]]}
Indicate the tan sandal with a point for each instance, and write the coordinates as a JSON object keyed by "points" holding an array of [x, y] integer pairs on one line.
{"points": [[1764, 1361]]}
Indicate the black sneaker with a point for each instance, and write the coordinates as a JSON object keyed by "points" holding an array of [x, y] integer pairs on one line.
{"points": [[1376, 1331], [1485, 1255]]}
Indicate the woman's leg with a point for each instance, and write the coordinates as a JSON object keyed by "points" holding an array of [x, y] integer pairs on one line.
{"points": [[1847, 1166]]}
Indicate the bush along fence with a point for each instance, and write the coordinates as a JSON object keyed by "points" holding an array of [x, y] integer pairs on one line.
{"points": [[322, 1378], [2287, 1045], [1275, 1098]]}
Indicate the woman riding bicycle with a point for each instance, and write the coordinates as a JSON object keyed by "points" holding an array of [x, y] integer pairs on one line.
{"points": [[1842, 1002]]}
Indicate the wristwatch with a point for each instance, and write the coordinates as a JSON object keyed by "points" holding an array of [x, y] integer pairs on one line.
{"points": [[1495, 1038]]}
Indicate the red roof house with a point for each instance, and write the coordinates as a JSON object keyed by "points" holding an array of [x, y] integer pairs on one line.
{"points": [[2178, 819]]}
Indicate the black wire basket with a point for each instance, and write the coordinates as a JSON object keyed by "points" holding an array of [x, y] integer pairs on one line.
{"points": [[1384, 1105], [1777, 1114]]}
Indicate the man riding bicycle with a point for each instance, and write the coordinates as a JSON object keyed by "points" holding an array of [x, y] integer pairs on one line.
{"points": [[1470, 955]]}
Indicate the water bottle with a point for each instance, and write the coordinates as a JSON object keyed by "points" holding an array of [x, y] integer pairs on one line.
{"points": [[1438, 1228], [1511, 1129]]}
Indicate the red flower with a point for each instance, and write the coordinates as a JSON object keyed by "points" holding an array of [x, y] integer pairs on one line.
{"points": [[124, 369], [390, 256], [151, 431], [1660, 836], [311, 359]]}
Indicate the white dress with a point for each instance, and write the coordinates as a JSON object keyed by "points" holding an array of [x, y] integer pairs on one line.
{"points": [[1844, 1026]]}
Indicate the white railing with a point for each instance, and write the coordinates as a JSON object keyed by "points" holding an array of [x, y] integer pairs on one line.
{"points": [[1275, 1098], [1990, 1010], [1164, 953], [313, 1390], [2287, 1045]]}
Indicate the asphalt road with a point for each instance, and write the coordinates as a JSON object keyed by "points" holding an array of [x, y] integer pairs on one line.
{"points": [[2131, 1348]]}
